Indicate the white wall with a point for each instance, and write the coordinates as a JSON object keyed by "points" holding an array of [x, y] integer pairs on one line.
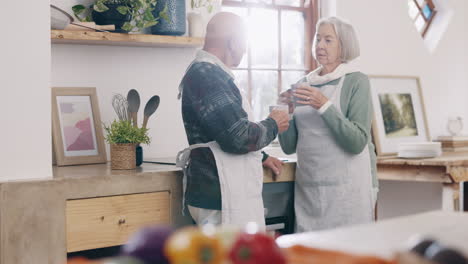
{"points": [[151, 71], [25, 150], [390, 45]]}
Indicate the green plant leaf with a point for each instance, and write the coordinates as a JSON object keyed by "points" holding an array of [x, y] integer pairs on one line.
{"points": [[88, 18], [122, 10], [164, 14], [140, 24], [210, 8], [192, 4], [150, 24], [124, 132], [78, 9], [100, 7], [127, 26], [148, 16]]}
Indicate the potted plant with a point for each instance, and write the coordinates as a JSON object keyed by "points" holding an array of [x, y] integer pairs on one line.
{"points": [[123, 138], [126, 15]]}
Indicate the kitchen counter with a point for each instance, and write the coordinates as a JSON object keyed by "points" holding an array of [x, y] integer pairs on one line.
{"points": [[103, 171], [387, 237], [38, 218]]}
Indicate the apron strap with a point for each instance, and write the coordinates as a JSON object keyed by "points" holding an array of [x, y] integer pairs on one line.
{"points": [[182, 161]]}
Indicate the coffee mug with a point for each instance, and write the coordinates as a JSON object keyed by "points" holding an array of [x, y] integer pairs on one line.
{"points": [[294, 98]]}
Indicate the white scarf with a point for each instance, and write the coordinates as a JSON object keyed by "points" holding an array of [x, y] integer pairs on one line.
{"points": [[204, 56], [313, 78]]}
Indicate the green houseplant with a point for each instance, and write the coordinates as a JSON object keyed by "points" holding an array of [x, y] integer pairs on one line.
{"points": [[123, 138], [127, 15]]}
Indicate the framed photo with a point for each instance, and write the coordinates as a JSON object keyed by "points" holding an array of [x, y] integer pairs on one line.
{"points": [[399, 114], [76, 127]]}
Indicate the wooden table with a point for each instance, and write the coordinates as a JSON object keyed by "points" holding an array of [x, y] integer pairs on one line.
{"points": [[449, 169], [386, 237]]}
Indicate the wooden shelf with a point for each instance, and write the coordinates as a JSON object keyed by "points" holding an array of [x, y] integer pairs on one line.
{"points": [[119, 39]]}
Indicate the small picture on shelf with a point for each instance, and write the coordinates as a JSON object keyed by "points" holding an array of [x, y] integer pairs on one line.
{"points": [[76, 127], [399, 114]]}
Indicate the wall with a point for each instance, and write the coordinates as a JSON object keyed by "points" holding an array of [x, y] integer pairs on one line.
{"points": [[25, 151], [151, 71], [390, 45]]}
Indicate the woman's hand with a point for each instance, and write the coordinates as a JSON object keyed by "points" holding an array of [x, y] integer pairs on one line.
{"points": [[287, 98], [309, 95]]}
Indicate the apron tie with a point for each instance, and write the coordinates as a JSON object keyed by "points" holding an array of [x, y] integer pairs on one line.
{"points": [[182, 160]]}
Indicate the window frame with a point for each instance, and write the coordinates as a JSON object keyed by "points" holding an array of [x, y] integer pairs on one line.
{"points": [[310, 10], [427, 21]]}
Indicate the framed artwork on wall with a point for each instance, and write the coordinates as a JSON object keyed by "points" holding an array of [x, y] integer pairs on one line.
{"points": [[399, 113], [76, 127]]}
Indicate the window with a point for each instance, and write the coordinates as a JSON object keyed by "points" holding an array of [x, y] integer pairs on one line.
{"points": [[280, 34], [422, 13]]}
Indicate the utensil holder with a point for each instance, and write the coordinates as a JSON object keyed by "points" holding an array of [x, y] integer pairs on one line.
{"points": [[139, 155]]}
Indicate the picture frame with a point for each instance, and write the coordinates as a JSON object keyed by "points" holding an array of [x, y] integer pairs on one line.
{"points": [[399, 112], [76, 127]]}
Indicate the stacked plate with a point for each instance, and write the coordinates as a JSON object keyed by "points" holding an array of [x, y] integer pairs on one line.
{"points": [[419, 150]]}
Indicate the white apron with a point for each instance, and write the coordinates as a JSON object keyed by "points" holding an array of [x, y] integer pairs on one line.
{"points": [[333, 188], [241, 182]]}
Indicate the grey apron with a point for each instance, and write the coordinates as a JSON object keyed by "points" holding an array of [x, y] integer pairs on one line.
{"points": [[333, 188]]}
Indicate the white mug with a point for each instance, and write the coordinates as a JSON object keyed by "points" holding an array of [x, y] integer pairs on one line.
{"points": [[283, 108]]}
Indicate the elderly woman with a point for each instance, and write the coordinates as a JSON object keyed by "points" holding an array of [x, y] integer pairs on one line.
{"points": [[330, 131]]}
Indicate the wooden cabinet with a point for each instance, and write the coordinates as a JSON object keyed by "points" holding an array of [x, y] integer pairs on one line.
{"points": [[109, 221]]}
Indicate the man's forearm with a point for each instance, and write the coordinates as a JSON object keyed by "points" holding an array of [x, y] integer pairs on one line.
{"points": [[245, 136]]}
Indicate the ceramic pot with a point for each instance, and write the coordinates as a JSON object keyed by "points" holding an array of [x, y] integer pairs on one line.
{"points": [[111, 17], [196, 25], [123, 156], [176, 14], [139, 155]]}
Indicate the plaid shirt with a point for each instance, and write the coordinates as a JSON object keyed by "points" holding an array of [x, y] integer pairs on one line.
{"points": [[212, 111]]}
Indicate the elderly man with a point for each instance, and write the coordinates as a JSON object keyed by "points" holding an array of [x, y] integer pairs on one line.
{"points": [[224, 175]]}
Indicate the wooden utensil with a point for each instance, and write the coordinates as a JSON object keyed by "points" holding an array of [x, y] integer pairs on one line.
{"points": [[150, 108], [60, 19], [133, 99]]}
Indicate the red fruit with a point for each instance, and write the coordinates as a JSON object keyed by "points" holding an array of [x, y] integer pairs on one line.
{"points": [[257, 248]]}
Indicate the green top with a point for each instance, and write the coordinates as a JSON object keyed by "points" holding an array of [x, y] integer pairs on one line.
{"points": [[352, 130]]}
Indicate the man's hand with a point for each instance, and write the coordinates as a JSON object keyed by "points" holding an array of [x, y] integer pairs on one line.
{"points": [[281, 118], [275, 165]]}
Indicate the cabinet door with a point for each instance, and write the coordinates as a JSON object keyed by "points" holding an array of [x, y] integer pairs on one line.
{"points": [[109, 221]]}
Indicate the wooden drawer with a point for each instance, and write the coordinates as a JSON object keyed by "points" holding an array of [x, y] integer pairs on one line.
{"points": [[109, 221]]}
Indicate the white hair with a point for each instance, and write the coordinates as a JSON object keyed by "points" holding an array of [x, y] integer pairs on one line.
{"points": [[349, 43]]}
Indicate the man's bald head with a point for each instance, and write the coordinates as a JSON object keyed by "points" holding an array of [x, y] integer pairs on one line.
{"points": [[225, 38]]}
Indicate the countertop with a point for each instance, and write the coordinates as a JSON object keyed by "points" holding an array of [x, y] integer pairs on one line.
{"points": [[446, 159], [146, 169], [33, 211], [384, 238]]}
